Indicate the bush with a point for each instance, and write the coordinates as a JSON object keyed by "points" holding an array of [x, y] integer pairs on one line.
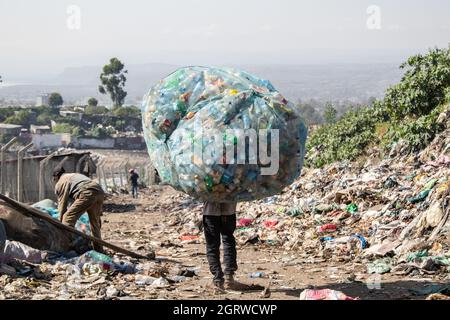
{"points": [[96, 110], [127, 112], [63, 128], [98, 132], [408, 111], [345, 139], [22, 117], [423, 86], [416, 133]]}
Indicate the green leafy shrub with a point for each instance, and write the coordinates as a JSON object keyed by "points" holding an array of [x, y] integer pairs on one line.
{"points": [[63, 128], [409, 111], [423, 86], [417, 133], [345, 139]]}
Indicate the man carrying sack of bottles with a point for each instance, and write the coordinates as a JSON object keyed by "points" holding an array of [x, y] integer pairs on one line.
{"points": [[86, 196]]}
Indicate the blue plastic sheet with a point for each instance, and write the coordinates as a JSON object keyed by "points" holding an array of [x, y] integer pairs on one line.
{"points": [[198, 116], [82, 224]]}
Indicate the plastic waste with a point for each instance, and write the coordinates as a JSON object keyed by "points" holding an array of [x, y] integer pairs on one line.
{"points": [[417, 255], [294, 212], [255, 275], [324, 294], [323, 207], [90, 269], [49, 206], [352, 208], [326, 228], [160, 283], [179, 278], [14, 250], [143, 280], [361, 239], [270, 224], [189, 237], [93, 258], [424, 193], [380, 266], [195, 109], [244, 222]]}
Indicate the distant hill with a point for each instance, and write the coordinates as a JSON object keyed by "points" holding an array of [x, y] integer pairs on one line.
{"points": [[354, 82]]}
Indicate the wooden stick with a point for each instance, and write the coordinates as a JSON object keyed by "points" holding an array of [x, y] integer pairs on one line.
{"points": [[30, 211]]}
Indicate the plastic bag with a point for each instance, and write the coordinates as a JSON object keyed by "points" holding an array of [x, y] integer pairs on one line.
{"points": [[195, 119], [324, 294], [16, 250], [49, 206]]}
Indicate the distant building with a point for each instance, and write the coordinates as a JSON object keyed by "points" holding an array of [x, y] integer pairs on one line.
{"points": [[40, 129], [43, 100], [10, 129], [71, 114], [51, 140]]}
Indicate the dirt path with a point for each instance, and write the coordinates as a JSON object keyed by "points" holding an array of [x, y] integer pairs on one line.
{"points": [[151, 222]]}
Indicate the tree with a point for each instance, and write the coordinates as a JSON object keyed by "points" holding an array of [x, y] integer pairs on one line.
{"points": [[423, 86], [63, 128], [310, 114], [92, 102], [127, 112], [78, 132], [55, 100], [98, 132], [329, 114], [96, 110], [23, 118], [113, 81]]}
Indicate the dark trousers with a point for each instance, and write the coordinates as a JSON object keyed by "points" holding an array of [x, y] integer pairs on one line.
{"points": [[134, 190], [216, 227]]}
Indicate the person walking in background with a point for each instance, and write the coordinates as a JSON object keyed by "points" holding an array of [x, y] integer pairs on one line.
{"points": [[87, 196], [134, 183]]}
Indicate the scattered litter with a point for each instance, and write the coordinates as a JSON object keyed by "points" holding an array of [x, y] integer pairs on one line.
{"points": [[324, 294]]}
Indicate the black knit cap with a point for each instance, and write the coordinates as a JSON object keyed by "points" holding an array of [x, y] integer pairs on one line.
{"points": [[58, 171]]}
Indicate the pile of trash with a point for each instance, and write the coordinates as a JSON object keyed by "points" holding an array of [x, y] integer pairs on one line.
{"points": [[391, 213], [196, 117]]}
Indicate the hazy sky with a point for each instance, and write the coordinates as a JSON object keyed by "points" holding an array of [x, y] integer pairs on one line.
{"points": [[35, 37]]}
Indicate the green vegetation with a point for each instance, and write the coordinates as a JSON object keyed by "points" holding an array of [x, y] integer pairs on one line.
{"points": [[126, 112], [92, 102], [96, 110], [46, 115], [330, 114], [7, 112], [55, 100], [346, 139], [408, 112], [113, 81], [22, 117], [63, 127]]}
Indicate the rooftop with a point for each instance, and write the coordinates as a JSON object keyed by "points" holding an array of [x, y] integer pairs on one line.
{"points": [[33, 126], [9, 126]]}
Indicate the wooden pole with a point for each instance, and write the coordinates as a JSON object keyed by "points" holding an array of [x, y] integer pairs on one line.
{"points": [[20, 155], [30, 211]]}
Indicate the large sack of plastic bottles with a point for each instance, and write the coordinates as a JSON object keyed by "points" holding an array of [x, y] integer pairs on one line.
{"points": [[223, 135]]}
